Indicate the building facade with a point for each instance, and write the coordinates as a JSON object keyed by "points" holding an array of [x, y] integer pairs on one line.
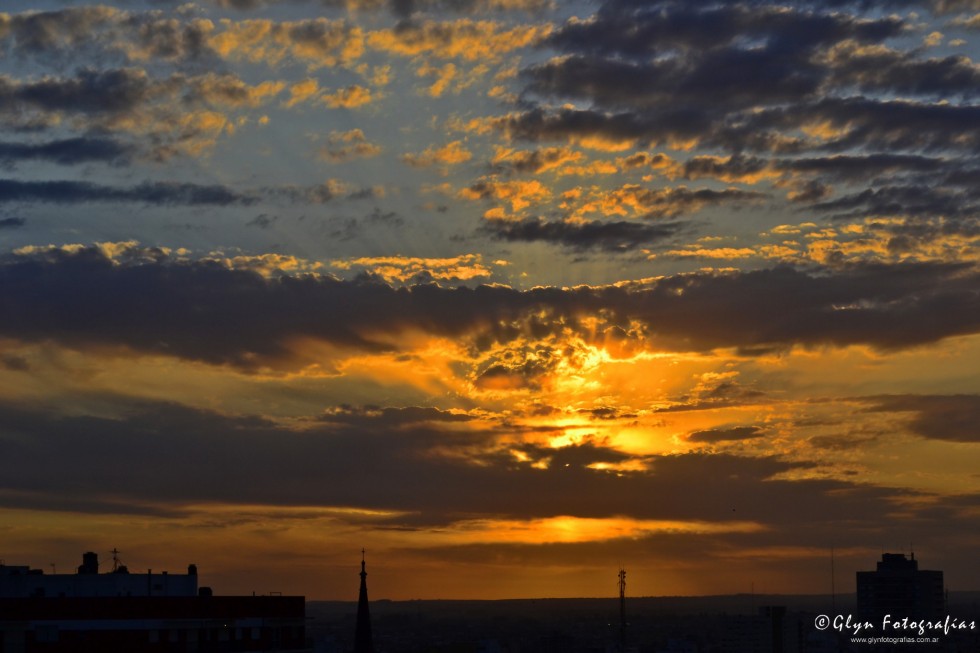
{"points": [[89, 612], [900, 589]]}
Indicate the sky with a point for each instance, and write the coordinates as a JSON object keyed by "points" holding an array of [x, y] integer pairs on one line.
{"points": [[509, 293]]}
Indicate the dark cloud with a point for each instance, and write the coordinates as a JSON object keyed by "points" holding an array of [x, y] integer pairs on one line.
{"points": [[14, 362], [62, 37], [400, 8], [317, 193], [566, 124], [163, 455], [392, 417], [69, 151], [903, 73], [170, 193], [725, 435], [89, 92], [640, 30], [879, 124], [157, 193], [609, 236], [915, 201], [936, 6], [12, 223], [840, 442], [606, 413], [954, 418], [754, 80], [735, 167], [857, 168], [36, 33], [718, 58], [911, 234], [205, 311], [873, 124], [262, 221]]}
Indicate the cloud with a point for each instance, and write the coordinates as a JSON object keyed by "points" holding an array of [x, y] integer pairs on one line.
{"points": [[805, 96], [158, 193], [350, 97], [952, 418], [464, 39], [169, 193], [262, 221], [348, 145], [69, 151], [660, 203], [692, 55], [735, 433], [109, 92], [452, 153], [318, 42], [608, 236], [203, 311], [328, 191], [415, 454], [520, 194], [37, 33], [401, 8], [888, 201], [419, 270], [12, 223], [175, 114], [535, 161]]}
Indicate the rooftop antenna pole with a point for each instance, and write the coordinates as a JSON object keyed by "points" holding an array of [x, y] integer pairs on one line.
{"points": [[115, 559], [622, 609]]}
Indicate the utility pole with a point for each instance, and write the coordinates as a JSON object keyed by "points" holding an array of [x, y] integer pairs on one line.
{"points": [[622, 609]]}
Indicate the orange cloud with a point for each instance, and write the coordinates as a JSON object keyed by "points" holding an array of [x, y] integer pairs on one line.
{"points": [[520, 194], [463, 39], [350, 97], [318, 42], [344, 146], [406, 268], [535, 161], [452, 153], [302, 91]]}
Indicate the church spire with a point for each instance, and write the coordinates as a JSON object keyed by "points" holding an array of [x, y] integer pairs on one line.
{"points": [[362, 634]]}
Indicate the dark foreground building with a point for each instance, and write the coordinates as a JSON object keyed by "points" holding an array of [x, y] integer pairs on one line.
{"points": [[362, 634], [90, 612], [900, 589]]}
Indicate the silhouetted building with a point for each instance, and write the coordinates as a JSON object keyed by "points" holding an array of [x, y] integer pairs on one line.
{"points": [[22, 582], [900, 589], [89, 612], [362, 632]]}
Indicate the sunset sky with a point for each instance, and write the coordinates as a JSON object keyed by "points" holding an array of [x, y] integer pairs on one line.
{"points": [[510, 293]]}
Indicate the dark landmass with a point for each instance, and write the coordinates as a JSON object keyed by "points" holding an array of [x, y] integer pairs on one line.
{"points": [[670, 624]]}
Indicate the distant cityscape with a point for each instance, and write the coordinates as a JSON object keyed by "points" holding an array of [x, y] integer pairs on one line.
{"points": [[897, 607]]}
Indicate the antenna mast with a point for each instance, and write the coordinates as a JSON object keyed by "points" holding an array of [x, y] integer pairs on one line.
{"points": [[622, 609], [115, 559]]}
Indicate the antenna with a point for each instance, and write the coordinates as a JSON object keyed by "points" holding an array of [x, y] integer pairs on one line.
{"points": [[115, 559], [622, 609]]}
